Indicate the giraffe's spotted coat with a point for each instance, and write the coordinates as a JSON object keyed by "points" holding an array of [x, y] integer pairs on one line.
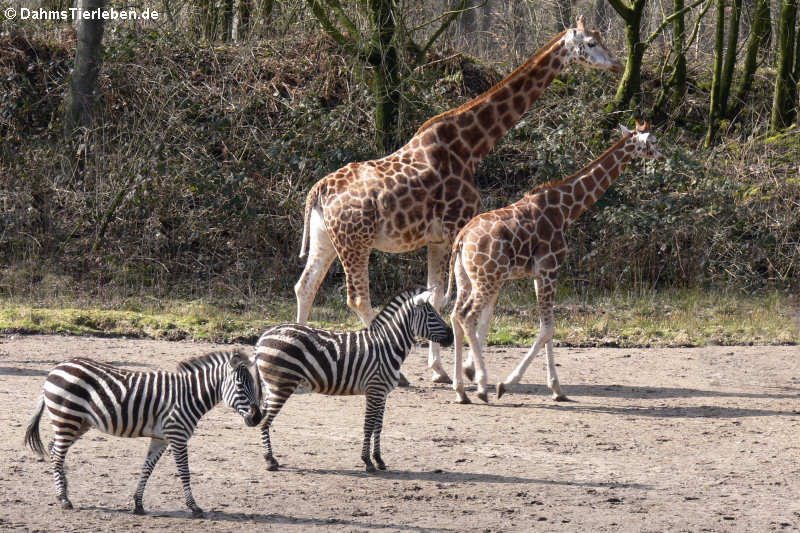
{"points": [[526, 239]]}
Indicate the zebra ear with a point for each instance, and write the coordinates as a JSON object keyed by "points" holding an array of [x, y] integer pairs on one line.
{"points": [[239, 359], [423, 297]]}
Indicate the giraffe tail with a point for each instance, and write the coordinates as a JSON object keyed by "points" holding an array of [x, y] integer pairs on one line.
{"points": [[32, 438], [454, 253], [311, 203]]}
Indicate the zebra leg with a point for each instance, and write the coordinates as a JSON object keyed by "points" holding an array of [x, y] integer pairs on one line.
{"points": [[154, 453], [379, 405], [65, 436], [374, 411], [275, 400], [181, 455]]}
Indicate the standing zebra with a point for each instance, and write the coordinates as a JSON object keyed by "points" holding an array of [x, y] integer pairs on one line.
{"points": [[343, 363], [165, 406]]}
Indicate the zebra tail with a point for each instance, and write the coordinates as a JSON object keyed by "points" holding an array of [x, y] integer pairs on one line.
{"points": [[311, 203], [32, 438]]}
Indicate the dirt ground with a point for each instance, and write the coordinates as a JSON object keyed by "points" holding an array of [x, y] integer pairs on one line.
{"points": [[652, 440]]}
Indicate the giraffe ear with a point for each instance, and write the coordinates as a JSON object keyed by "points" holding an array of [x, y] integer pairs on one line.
{"points": [[625, 131], [580, 24]]}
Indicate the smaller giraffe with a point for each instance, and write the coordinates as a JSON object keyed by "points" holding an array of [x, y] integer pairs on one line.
{"points": [[526, 239]]}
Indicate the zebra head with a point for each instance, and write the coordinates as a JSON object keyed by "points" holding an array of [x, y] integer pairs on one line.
{"points": [[240, 391], [426, 322]]}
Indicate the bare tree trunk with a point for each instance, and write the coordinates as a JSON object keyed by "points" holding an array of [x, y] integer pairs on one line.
{"points": [[759, 33], [730, 57], [714, 107], [240, 25], [630, 83], [784, 101], [88, 57]]}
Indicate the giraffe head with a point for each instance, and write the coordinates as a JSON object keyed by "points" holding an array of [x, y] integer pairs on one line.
{"points": [[585, 47], [644, 143]]}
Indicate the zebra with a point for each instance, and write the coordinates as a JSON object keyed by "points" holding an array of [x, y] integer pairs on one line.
{"points": [[346, 363], [81, 393]]}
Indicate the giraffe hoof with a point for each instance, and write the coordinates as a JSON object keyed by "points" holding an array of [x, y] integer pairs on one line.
{"points": [[464, 399], [501, 389], [469, 371], [402, 381], [484, 396], [441, 377]]}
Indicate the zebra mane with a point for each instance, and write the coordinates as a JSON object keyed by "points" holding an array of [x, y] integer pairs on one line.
{"points": [[208, 360], [394, 304]]}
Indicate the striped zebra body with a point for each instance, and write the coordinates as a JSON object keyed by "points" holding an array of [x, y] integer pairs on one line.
{"points": [[80, 394], [365, 362]]}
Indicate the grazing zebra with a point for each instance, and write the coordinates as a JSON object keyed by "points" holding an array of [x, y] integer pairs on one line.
{"points": [[343, 363], [165, 406]]}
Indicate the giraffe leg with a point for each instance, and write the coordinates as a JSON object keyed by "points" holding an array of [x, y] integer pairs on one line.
{"points": [[437, 267], [321, 254], [458, 352], [356, 270], [181, 455], [545, 292], [154, 453], [65, 436], [482, 329]]}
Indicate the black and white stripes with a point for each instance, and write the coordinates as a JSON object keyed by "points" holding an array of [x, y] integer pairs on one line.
{"points": [[81, 393], [343, 363]]}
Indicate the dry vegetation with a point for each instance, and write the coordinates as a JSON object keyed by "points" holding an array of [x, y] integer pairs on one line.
{"points": [[193, 181]]}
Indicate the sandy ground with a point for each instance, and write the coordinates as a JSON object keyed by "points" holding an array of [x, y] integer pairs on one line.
{"points": [[652, 440]]}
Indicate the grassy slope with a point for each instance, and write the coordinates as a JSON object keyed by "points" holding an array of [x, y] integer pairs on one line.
{"points": [[674, 318]]}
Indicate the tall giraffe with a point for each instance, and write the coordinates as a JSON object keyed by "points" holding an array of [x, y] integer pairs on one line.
{"points": [[526, 239], [424, 193]]}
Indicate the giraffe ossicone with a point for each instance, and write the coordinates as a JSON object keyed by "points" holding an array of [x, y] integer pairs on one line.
{"points": [[526, 240], [424, 193]]}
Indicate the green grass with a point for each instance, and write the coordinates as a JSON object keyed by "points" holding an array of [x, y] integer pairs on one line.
{"points": [[664, 318]]}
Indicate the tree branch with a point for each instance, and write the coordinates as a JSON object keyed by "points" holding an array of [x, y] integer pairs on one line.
{"points": [[669, 19], [448, 19], [348, 43]]}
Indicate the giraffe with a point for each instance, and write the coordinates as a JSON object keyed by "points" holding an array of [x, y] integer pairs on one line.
{"points": [[424, 193], [526, 239]]}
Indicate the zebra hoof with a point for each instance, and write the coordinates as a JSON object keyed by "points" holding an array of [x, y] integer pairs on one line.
{"points": [[483, 395], [66, 504], [198, 513], [464, 399], [501, 389], [272, 464], [402, 381], [369, 466], [469, 371], [380, 463], [138, 509], [560, 398]]}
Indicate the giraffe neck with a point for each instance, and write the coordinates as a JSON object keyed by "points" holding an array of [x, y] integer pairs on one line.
{"points": [[472, 130], [583, 189]]}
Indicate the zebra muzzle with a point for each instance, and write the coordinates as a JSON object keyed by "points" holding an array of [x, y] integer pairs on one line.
{"points": [[253, 416]]}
